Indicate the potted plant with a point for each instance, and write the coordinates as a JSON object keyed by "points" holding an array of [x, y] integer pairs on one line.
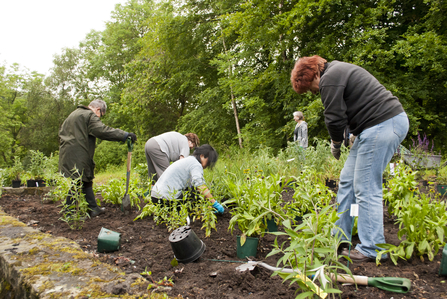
{"points": [[421, 155], [256, 202], [15, 172], [37, 168]]}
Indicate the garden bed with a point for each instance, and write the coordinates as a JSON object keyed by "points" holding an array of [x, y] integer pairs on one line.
{"points": [[145, 247]]}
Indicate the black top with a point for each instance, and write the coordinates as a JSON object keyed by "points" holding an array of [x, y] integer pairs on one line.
{"points": [[352, 96]]}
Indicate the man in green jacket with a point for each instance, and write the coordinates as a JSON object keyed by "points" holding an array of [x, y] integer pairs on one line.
{"points": [[77, 138]]}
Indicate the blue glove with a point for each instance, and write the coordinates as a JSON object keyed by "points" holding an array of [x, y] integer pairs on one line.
{"points": [[218, 207]]}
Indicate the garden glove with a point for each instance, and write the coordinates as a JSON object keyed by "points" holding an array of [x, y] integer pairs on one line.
{"points": [[218, 207], [133, 137], [335, 149]]}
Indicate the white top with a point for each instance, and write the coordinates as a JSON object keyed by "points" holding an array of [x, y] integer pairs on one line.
{"points": [[177, 177]]}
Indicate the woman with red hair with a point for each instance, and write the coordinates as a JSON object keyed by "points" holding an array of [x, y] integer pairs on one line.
{"points": [[353, 97]]}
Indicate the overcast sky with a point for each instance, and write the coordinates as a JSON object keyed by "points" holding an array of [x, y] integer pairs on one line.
{"points": [[32, 31]]}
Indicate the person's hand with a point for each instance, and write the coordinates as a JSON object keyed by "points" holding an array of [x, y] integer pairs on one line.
{"points": [[335, 149], [133, 137], [218, 207]]}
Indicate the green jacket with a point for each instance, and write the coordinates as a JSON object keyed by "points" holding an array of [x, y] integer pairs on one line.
{"points": [[77, 138]]}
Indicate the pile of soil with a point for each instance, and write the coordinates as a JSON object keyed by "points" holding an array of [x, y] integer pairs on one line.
{"points": [[146, 247]]}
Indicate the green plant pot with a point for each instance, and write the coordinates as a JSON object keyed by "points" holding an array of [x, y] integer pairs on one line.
{"points": [[443, 267], [272, 226], [108, 240], [249, 248], [442, 189]]}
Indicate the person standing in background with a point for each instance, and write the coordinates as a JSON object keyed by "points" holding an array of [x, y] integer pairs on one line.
{"points": [[165, 148], [300, 132]]}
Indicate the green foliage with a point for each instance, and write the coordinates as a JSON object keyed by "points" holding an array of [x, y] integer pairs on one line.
{"points": [[74, 214], [422, 218], [310, 193], [442, 175], [37, 165], [109, 153], [401, 188], [255, 199], [62, 186], [173, 213], [14, 172], [311, 250], [422, 225], [114, 191]]}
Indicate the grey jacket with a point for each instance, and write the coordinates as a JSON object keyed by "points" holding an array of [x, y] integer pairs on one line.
{"points": [[300, 134]]}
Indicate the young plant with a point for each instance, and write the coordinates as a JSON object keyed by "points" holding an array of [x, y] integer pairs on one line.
{"points": [[61, 189], [75, 213], [113, 192], [311, 250], [309, 192], [255, 200], [400, 188], [37, 164], [423, 226], [15, 172]]}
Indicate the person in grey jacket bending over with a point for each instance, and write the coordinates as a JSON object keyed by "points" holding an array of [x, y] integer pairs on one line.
{"points": [[300, 132], [165, 148], [353, 97], [186, 173]]}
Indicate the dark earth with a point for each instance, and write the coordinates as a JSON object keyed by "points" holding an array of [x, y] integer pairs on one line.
{"points": [[146, 247]]}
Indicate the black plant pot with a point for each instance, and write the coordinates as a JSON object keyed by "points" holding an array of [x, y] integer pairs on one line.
{"points": [[331, 183], [186, 245], [40, 183], [16, 184], [31, 183]]}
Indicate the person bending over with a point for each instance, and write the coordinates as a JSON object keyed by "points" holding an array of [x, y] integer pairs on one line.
{"points": [[186, 173]]}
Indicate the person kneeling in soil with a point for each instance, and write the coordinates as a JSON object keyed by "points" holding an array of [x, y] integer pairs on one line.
{"points": [[186, 173], [77, 137], [353, 97]]}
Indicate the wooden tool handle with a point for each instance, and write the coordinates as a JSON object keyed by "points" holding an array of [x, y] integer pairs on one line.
{"points": [[129, 158], [358, 279]]}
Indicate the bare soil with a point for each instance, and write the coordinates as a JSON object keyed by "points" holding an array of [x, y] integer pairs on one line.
{"points": [[145, 246]]}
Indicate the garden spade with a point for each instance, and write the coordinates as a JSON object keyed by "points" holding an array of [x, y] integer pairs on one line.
{"points": [[391, 284], [125, 204]]}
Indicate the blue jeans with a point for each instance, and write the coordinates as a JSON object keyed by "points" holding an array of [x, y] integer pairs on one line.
{"points": [[361, 181]]}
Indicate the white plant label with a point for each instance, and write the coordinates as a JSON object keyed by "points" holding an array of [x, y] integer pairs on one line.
{"points": [[354, 210], [392, 168]]}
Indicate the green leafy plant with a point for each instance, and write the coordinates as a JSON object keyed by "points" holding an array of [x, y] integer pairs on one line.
{"points": [[311, 250], [174, 213], [37, 166], [309, 192], [113, 192], [255, 200], [423, 225], [61, 189], [75, 213], [400, 188], [442, 175], [14, 173]]}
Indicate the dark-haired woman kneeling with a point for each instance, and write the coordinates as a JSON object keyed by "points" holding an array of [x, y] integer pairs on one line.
{"points": [[186, 173]]}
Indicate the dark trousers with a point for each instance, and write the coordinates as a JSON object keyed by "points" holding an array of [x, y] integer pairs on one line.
{"points": [[87, 190]]}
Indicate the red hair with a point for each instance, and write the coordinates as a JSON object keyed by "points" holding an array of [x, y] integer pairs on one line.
{"points": [[304, 72]]}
